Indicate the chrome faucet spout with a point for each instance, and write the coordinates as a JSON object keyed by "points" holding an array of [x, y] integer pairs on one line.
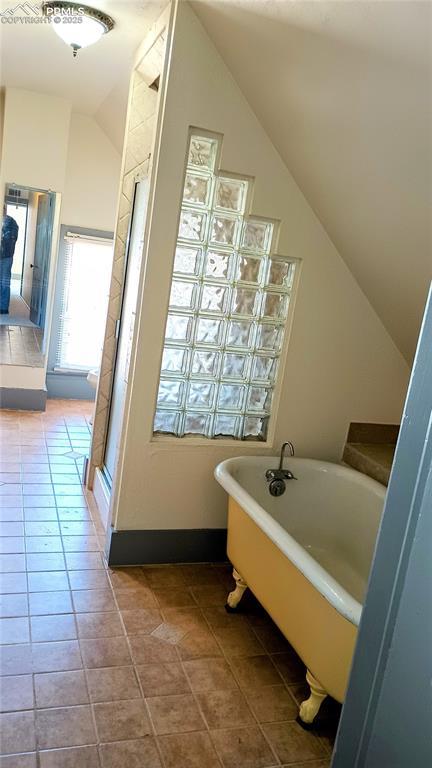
{"points": [[289, 445]]}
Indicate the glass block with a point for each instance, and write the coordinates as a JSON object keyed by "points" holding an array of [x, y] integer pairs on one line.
{"points": [[187, 260], [230, 194], [257, 235], [170, 392], [179, 327], [174, 360], [196, 189], [244, 301], [209, 330], [202, 152], [224, 230], [264, 368], [214, 298], [228, 305], [281, 273], [231, 396], [205, 362], [240, 333], [197, 424], [255, 427], [201, 394], [227, 425], [166, 421], [192, 225], [269, 337], [183, 294], [275, 305], [259, 399], [235, 366], [218, 265], [249, 268]]}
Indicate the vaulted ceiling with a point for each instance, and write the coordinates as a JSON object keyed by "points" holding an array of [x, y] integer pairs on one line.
{"points": [[96, 82], [344, 90]]}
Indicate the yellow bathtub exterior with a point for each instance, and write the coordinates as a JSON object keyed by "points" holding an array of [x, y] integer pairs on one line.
{"points": [[323, 638]]}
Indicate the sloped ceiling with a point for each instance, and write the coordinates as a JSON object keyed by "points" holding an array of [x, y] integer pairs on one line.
{"points": [[96, 82], [344, 91]]}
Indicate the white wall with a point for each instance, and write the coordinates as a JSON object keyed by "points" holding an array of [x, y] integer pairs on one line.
{"points": [[35, 139], [47, 147], [342, 365], [34, 153], [92, 176]]}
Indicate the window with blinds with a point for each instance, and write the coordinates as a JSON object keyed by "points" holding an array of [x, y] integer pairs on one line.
{"points": [[84, 302]]}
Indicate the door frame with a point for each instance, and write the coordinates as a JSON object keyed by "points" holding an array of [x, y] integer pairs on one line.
{"points": [[372, 720]]}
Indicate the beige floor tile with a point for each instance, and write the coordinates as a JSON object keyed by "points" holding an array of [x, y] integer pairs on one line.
{"points": [[94, 625], [209, 675], [173, 598], [121, 720], [65, 727], [56, 657], [243, 748], [17, 732], [151, 650], [197, 644], [254, 671], [13, 605], [112, 684], [188, 750], [238, 641], [88, 580], [291, 742], [93, 600], [175, 714], [60, 689], [163, 679], [15, 630], [53, 628], [141, 622], [51, 581], [16, 693], [131, 599], [13, 583], [139, 753], [45, 603], [271, 704], [105, 652], [225, 709]]}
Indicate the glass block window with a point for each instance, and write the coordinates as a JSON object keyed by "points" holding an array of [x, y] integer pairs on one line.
{"points": [[227, 311]]}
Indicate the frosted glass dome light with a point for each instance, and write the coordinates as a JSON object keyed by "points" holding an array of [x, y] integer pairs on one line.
{"points": [[77, 25]]}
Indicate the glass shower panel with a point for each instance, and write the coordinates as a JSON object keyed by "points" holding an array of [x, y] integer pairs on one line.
{"points": [[227, 313]]}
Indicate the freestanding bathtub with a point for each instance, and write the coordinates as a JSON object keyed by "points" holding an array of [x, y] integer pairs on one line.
{"points": [[306, 556]]}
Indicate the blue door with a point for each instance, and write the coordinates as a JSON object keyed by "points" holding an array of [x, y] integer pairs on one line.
{"points": [[41, 259]]}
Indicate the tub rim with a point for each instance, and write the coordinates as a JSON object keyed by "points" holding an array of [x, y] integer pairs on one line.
{"points": [[343, 602]]}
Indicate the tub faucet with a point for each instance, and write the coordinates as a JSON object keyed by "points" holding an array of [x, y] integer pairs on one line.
{"points": [[276, 477]]}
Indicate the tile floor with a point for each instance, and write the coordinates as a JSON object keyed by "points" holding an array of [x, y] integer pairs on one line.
{"points": [[126, 668], [21, 345]]}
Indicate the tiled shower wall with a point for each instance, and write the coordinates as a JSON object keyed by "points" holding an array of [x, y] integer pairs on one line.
{"points": [[139, 146]]}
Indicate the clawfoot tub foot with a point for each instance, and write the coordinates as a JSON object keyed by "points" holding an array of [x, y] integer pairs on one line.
{"points": [[236, 595], [310, 707]]}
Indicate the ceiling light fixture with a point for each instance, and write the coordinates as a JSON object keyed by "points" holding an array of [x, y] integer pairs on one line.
{"points": [[77, 25]]}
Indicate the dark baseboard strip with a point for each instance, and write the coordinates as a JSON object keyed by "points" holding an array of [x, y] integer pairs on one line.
{"points": [[23, 399], [195, 545]]}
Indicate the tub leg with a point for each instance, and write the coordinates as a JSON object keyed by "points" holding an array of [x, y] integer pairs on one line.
{"points": [[310, 707], [236, 595]]}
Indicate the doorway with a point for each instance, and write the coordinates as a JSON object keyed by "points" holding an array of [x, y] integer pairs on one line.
{"points": [[125, 327]]}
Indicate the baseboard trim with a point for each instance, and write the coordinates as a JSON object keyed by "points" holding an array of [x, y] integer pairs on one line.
{"points": [[196, 545], [102, 496], [23, 399]]}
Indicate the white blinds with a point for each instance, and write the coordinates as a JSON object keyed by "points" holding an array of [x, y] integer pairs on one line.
{"points": [[84, 302]]}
